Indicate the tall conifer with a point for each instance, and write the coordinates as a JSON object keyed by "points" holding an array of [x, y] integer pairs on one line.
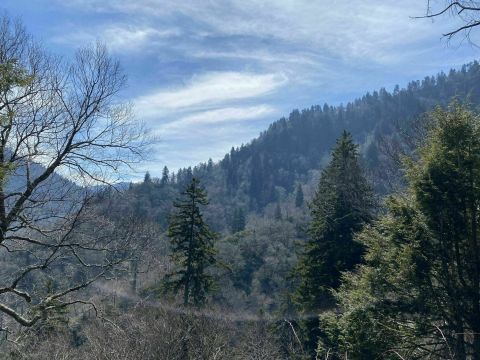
{"points": [[419, 290], [299, 196], [342, 205], [193, 250], [165, 176]]}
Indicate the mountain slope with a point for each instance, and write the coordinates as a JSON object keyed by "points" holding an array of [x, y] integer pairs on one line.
{"points": [[291, 147], [268, 169]]}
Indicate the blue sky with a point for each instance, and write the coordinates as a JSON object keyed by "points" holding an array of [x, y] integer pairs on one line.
{"points": [[208, 75]]}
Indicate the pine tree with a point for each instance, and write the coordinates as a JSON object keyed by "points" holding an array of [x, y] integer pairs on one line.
{"points": [[342, 205], [209, 165], [165, 176], [147, 179], [256, 181], [187, 176], [238, 221], [193, 250], [278, 212], [299, 196]]}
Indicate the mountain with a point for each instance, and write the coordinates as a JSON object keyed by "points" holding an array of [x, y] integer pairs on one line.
{"points": [[293, 150], [253, 190]]}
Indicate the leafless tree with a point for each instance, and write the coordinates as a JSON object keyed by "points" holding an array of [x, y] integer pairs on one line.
{"points": [[62, 129], [146, 332], [467, 11]]}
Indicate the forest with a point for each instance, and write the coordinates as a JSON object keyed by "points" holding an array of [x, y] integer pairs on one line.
{"points": [[346, 231]]}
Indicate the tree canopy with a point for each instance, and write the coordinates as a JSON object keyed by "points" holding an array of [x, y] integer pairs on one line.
{"points": [[342, 205], [418, 294]]}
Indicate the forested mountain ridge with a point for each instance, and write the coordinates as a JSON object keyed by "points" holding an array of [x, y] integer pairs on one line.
{"points": [[259, 191], [269, 168], [292, 146]]}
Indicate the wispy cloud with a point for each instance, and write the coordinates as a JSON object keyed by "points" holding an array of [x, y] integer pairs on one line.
{"points": [[347, 28], [193, 145], [209, 113], [224, 116], [262, 55], [118, 37], [207, 90]]}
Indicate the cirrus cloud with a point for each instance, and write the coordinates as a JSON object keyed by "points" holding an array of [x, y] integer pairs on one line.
{"points": [[207, 90]]}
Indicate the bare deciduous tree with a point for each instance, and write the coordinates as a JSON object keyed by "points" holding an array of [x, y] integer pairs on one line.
{"points": [[467, 11], [57, 118]]}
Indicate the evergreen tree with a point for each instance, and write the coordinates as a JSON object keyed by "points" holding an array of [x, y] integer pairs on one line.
{"points": [[238, 221], [419, 291], [256, 180], [147, 179], [299, 196], [165, 176], [193, 249], [278, 212], [342, 205]]}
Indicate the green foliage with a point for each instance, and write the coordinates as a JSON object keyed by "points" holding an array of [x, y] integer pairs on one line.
{"points": [[299, 196], [238, 220], [261, 259], [165, 176], [147, 179], [278, 213], [343, 203], [418, 293], [193, 250], [368, 326], [12, 76]]}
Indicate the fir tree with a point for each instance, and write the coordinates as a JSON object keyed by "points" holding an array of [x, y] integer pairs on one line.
{"points": [[193, 250], [421, 282], [209, 165], [342, 205], [238, 221], [278, 212], [165, 176], [187, 176], [299, 196], [256, 180], [147, 179]]}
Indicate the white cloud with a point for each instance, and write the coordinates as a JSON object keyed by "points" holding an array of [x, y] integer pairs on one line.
{"points": [[262, 55], [127, 38], [362, 29], [209, 114], [200, 143], [208, 89], [118, 37], [206, 119]]}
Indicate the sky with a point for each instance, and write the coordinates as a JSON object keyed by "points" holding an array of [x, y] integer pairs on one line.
{"points": [[208, 75]]}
